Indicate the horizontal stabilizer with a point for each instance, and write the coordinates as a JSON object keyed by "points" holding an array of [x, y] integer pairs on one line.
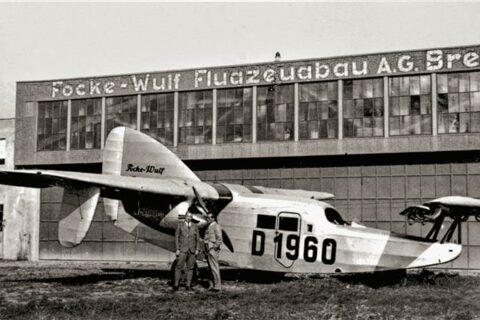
{"points": [[78, 207]]}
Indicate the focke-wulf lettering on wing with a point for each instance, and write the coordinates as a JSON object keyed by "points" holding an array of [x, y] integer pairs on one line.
{"points": [[147, 169]]}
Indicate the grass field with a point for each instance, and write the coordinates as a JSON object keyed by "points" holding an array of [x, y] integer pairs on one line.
{"points": [[90, 292]]}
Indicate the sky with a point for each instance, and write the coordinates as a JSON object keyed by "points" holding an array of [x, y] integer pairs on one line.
{"points": [[41, 41]]}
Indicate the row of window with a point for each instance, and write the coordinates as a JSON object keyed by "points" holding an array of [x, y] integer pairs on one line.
{"points": [[410, 109]]}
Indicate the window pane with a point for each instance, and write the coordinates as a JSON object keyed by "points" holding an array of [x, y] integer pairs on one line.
{"points": [[365, 110], [276, 111], [52, 130], [157, 116], [196, 110], [414, 85], [234, 112], [410, 100], [288, 224], [461, 103], [442, 83], [318, 110]]}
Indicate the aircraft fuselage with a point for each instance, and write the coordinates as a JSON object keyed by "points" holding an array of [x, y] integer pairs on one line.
{"points": [[286, 234]]}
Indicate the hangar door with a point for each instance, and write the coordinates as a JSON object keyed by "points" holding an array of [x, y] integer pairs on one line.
{"points": [[103, 241]]}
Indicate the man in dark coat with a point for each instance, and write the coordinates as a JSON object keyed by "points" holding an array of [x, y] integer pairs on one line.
{"points": [[187, 246]]}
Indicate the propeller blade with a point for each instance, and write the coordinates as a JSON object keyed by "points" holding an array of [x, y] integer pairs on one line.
{"points": [[200, 200], [203, 207], [226, 241]]}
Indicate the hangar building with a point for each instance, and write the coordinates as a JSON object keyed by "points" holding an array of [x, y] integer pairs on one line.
{"points": [[381, 131]]}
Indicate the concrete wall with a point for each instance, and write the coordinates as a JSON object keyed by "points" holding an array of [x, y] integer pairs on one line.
{"points": [[21, 208]]}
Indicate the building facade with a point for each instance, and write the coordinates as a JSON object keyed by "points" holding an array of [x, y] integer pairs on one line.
{"points": [[380, 131], [18, 206]]}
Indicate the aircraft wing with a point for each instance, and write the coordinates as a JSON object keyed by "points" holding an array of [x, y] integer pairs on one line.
{"points": [[49, 178], [317, 195], [456, 201], [452, 206]]}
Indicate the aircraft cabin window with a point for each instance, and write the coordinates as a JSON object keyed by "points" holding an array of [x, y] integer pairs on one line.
{"points": [[334, 217], [266, 222], [288, 224]]}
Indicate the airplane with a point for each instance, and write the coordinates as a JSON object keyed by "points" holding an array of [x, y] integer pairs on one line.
{"points": [[147, 189]]}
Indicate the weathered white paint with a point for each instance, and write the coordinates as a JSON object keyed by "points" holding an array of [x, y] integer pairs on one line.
{"points": [[21, 208], [78, 207]]}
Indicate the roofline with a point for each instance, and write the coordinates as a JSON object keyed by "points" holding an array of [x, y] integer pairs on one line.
{"points": [[250, 64]]}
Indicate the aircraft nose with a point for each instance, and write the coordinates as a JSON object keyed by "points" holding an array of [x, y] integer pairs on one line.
{"points": [[444, 252], [452, 251]]}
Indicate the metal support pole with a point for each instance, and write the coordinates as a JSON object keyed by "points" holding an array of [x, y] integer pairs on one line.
{"points": [[214, 117], [340, 109], [175, 119], [386, 109]]}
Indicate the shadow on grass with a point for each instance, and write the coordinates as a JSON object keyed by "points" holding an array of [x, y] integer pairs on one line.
{"points": [[375, 279], [399, 278], [201, 276], [106, 275]]}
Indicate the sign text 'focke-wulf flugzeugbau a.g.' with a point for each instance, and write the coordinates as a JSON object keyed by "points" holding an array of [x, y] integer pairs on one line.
{"points": [[435, 60]]}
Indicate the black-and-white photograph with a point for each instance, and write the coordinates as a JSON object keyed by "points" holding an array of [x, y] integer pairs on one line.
{"points": [[240, 160]]}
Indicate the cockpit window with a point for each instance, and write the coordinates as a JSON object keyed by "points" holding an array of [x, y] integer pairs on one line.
{"points": [[334, 217], [266, 222], [288, 224]]}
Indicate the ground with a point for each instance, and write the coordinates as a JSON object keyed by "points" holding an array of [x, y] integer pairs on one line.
{"points": [[124, 291]]}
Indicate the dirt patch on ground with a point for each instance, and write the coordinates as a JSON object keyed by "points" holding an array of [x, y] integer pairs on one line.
{"points": [[125, 291]]}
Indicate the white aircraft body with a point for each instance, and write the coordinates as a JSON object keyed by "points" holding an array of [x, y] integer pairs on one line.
{"points": [[146, 189]]}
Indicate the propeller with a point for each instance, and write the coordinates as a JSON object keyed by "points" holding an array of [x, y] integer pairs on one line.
{"points": [[202, 207]]}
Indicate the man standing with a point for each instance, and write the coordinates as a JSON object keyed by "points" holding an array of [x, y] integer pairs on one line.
{"points": [[187, 245], [213, 240]]}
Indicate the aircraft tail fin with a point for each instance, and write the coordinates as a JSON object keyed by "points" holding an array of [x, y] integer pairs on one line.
{"points": [[131, 153]]}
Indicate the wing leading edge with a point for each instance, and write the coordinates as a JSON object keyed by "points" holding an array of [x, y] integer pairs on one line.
{"points": [[49, 178]]}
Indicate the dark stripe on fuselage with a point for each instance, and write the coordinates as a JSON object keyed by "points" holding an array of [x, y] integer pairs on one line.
{"points": [[224, 197], [410, 237], [254, 190]]}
